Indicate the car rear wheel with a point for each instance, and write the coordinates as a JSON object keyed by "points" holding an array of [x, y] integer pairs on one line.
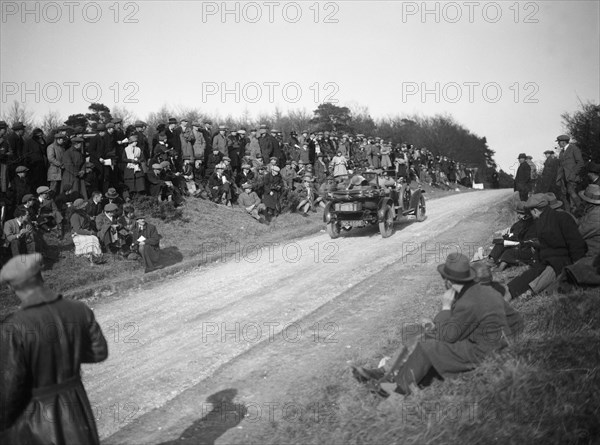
{"points": [[421, 210], [333, 229], [386, 226]]}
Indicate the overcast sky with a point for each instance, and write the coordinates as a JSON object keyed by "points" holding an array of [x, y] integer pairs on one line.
{"points": [[505, 70]]}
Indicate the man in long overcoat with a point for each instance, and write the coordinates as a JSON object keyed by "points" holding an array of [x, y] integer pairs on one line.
{"points": [[272, 188], [571, 165], [523, 178], [475, 321], [547, 181], [42, 398]]}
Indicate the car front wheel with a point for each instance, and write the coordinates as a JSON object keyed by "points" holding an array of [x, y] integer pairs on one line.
{"points": [[333, 229], [386, 226], [420, 211]]}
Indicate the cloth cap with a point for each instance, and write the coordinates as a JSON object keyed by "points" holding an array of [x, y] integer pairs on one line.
{"points": [[138, 124], [133, 138], [563, 137], [457, 268], [21, 169], [246, 185], [77, 140], [156, 166], [27, 198], [110, 125], [100, 127], [165, 164], [111, 207], [42, 189], [549, 152], [18, 126], [21, 268], [79, 203]]}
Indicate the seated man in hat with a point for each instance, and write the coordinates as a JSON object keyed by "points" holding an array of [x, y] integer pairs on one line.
{"points": [[250, 201], [48, 215], [474, 322], [559, 244], [288, 174], [44, 343], [584, 271], [19, 233], [108, 228], [112, 197], [516, 246], [309, 197], [593, 173], [160, 189], [272, 189], [94, 205], [212, 160], [146, 242], [220, 186]]}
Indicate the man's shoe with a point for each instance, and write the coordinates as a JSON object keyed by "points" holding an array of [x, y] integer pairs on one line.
{"points": [[364, 375], [149, 269]]}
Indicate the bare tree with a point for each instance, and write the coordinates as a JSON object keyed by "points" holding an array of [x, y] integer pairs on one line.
{"points": [[123, 113], [51, 121], [17, 112]]}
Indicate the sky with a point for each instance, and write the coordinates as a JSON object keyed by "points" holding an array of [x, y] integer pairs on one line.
{"points": [[505, 70]]}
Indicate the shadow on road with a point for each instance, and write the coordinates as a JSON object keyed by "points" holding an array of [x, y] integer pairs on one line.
{"points": [[223, 416]]}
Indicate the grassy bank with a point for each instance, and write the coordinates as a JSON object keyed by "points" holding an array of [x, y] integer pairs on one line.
{"points": [[542, 389]]}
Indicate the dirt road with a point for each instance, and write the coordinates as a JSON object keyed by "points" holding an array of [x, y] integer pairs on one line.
{"points": [[249, 322]]}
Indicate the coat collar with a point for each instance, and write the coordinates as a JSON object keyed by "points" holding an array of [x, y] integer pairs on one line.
{"points": [[44, 296]]}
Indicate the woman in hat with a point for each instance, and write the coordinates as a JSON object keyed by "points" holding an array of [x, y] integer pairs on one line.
{"points": [[83, 231], [339, 165], [386, 162], [134, 175], [74, 171]]}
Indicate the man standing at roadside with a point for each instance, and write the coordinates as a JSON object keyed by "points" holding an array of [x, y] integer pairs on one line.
{"points": [[43, 344], [570, 166], [523, 178]]}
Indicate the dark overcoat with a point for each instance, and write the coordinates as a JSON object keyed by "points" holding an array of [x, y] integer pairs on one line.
{"points": [[478, 323], [272, 184], [42, 398]]}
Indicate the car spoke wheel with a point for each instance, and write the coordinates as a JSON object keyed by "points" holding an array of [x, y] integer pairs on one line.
{"points": [[386, 227], [333, 229], [421, 210]]}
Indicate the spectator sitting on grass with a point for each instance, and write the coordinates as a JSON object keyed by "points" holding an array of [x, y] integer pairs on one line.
{"points": [[94, 205], [583, 272], [309, 198], [505, 252], [250, 201], [48, 215], [83, 233], [112, 197], [146, 242], [560, 244], [245, 175], [220, 186], [19, 233], [475, 321], [288, 174], [107, 226], [157, 187]]}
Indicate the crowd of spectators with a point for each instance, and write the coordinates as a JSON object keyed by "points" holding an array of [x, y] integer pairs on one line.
{"points": [[81, 182]]}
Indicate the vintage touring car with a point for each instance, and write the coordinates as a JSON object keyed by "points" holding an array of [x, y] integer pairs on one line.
{"points": [[369, 198]]}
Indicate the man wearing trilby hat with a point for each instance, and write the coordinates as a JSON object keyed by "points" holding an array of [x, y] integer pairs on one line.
{"points": [[547, 181], [42, 398], [474, 322], [523, 178]]}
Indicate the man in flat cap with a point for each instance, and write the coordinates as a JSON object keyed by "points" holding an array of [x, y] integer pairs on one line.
{"points": [[250, 201], [570, 167], [146, 241], [43, 344], [219, 141], [21, 184], [559, 244], [108, 227], [56, 166], [475, 321], [547, 181]]}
